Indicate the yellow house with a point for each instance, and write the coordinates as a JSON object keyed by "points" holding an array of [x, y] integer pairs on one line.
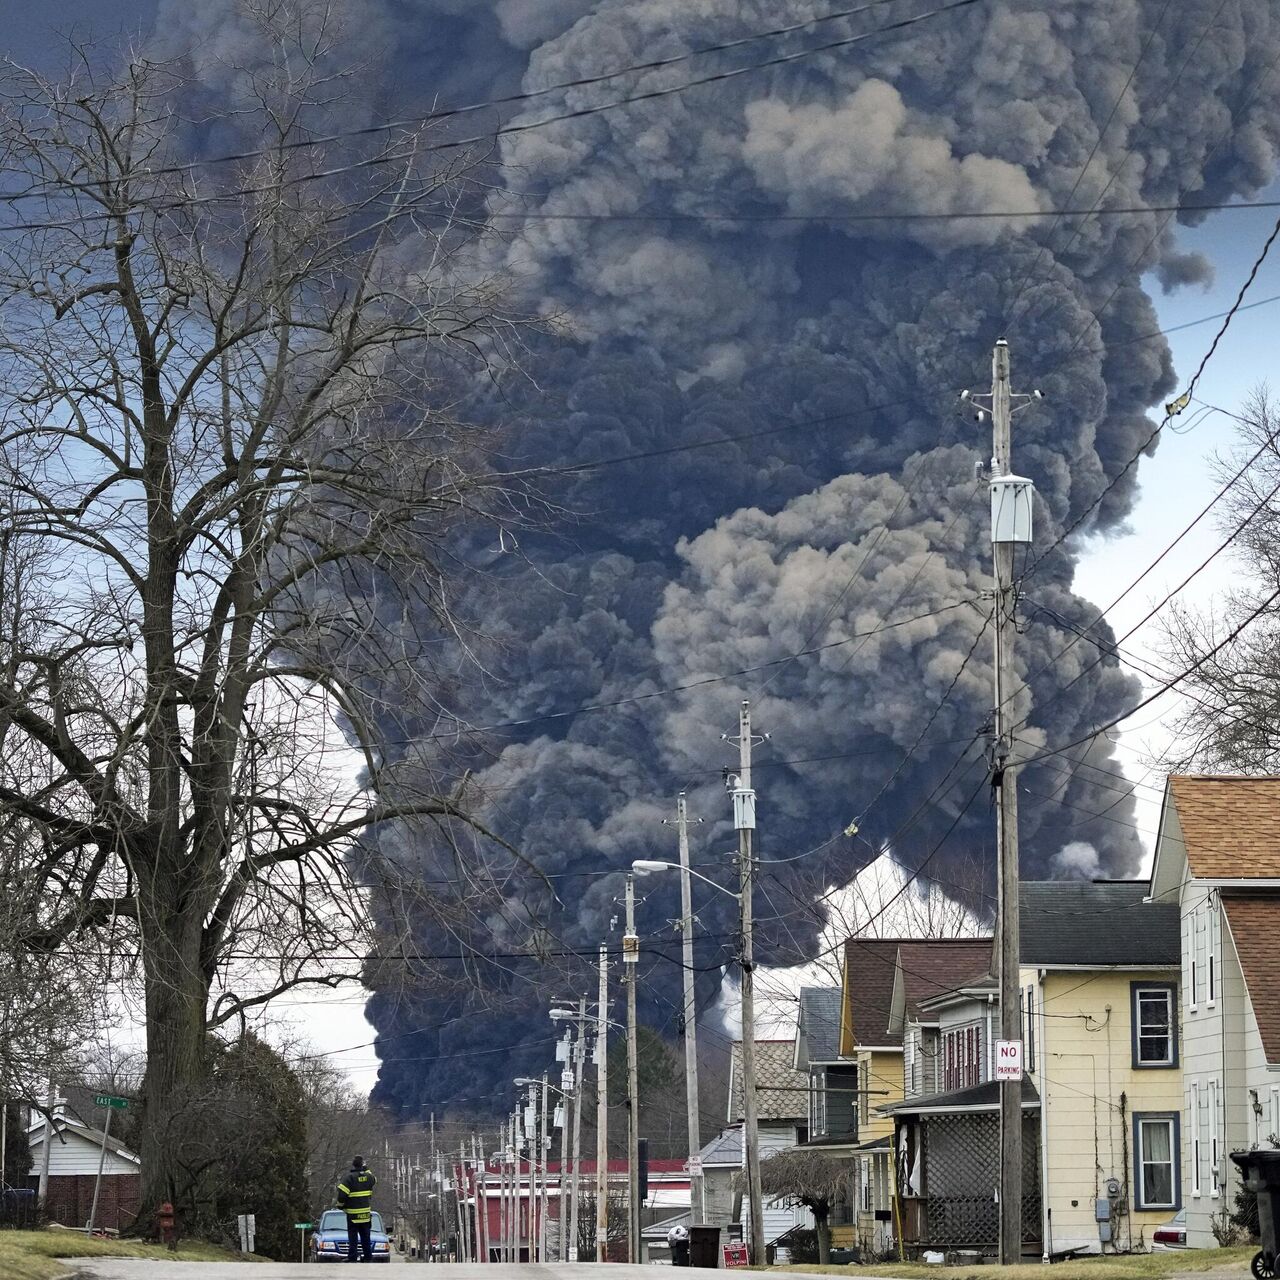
{"points": [[1100, 975], [1102, 1094]]}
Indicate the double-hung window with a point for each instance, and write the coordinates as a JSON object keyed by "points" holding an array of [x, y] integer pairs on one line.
{"points": [[1155, 1024], [1155, 1160]]}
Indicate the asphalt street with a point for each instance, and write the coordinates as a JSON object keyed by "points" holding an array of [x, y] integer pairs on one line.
{"points": [[136, 1269]]}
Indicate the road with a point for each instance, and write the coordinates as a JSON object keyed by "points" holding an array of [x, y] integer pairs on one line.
{"points": [[137, 1269]]}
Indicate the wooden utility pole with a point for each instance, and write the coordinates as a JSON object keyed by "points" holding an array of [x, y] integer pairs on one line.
{"points": [[1011, 507], [579, 1056], [602, 1110], [744, 819], [631, 959], [697, 1201], [544, 1153]]}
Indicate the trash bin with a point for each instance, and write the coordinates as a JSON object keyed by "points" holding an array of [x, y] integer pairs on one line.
{"points": [[1260, 1171], [704, 1246]]}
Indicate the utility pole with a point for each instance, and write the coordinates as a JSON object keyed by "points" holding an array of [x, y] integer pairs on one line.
{"points": [[631, 960], [544, 1147], [602, 1110], [562, 1224], [697, 1200], [579, 1057], [482, 1201], [744, 819], [1011, 506]]}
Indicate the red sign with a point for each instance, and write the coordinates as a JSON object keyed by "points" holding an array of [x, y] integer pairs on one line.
{"points": [[735, 1255]]}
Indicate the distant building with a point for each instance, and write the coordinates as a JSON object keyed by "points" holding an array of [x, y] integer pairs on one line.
{"points": [[74, 1156]]}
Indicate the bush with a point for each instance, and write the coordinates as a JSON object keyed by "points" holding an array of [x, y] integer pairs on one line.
{"points": [[802, 1243]]}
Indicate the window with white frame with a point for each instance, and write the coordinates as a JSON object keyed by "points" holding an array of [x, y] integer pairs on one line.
{"points": [[1211, 959], [1029, 1027], [961, 1058], [1195, 1138], [818, 1102], [1273, 1132], [1194, 985], [1155, 1032], [1213, 1138], [1155, 1161], [866, 1185]]}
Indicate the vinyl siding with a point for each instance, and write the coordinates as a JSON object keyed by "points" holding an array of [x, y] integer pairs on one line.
{"points": [[77, 1155], [880, 1075], [1090, 1090], [1224, 1061]]}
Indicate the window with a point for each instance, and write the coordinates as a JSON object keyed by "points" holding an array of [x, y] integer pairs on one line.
{"points": [[1195, 1138], [818, 1102], [866, 1185], [1195, 961], [1211, 960], [1213, 1138], [1155, 1032], [1029, 1027], [961, 1058], [1155, 1161]]}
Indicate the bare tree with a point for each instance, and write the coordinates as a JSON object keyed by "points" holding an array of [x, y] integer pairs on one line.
{"points": [[227, 450], [802, 1176], [1227, 718]]}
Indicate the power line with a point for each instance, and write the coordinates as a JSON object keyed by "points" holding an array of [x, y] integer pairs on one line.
{"points": [[510, 129]]}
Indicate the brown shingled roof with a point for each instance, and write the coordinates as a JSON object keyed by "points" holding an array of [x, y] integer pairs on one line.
{"points": [[1254, 923], [934, 965], [868, 991], [1231, 825]]}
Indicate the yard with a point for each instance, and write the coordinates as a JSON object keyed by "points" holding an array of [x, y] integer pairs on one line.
{"points": [[1137, 1266], [33, 1255]]}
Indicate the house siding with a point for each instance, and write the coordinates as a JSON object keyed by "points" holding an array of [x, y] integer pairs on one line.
{"points": [[1090, 1090]]}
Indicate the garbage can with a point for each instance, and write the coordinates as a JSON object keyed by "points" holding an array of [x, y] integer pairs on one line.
{"points": [[1260, 1171], [704, 1246]]}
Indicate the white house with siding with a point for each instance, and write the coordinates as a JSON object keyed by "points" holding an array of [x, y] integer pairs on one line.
{"points": [[1218, 857], [782, 1099]]}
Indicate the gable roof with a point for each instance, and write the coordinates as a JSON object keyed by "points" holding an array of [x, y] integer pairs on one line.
{"points": [[1083, 922], [1253, 922], [1230, 825], [782, 1092], [818, 1026], [867, 993], [62, 1127], [930, 967]]}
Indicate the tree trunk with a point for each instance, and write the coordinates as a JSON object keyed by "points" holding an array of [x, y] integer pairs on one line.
{"points": [[176, 992], [822, 1227]]}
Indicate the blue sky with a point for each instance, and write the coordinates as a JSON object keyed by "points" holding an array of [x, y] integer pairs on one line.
{"points": [[1179, 480]]}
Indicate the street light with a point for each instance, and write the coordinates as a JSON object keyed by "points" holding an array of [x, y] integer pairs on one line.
{"points": [[646, 866]]}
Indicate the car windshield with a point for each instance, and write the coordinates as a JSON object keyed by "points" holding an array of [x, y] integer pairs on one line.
{"points": [[336, 1220]]}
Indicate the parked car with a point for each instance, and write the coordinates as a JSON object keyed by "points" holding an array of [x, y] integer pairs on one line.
{"points": [[1173, 1235], [329, 1240]]}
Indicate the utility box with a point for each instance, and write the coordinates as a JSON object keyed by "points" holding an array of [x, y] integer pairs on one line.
{"points": [[630, 948], [744, 809], [1011, 499]]}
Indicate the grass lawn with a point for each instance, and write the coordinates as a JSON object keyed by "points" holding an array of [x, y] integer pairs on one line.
{"points": [[33, 1255], [1138, 1266]]}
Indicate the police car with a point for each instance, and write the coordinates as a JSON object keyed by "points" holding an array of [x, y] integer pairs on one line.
{"points": [[329, 1240]]}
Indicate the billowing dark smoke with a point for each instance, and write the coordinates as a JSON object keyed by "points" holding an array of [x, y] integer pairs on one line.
{"points": [[695, 564]]}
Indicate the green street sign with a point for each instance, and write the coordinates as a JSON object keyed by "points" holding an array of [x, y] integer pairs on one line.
{"points": [[106, 1100], [303, 1226]]}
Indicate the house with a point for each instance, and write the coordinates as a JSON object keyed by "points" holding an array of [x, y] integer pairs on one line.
{"points": [[75, 1155], [833, 1097], [1217, 862], [879, 989], [782, 1106], [1099, 982], [1100, 969]]}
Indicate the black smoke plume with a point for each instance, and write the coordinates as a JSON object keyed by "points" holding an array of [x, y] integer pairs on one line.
{"points": [[834, 347]]}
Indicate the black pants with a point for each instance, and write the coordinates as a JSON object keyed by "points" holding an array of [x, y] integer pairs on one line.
{"points": [[359, 1236]]}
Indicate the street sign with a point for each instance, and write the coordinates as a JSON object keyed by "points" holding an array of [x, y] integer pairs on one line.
{"points": [[106, 1100], [1008, 1059], [735, 1255], [693, 1166], [303, 1226]]}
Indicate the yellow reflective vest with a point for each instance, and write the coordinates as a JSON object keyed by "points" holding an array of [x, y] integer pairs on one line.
{"points": [[355, 1195]]}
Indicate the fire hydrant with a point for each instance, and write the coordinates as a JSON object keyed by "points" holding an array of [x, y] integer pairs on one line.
{"points": [[168, 1225]]}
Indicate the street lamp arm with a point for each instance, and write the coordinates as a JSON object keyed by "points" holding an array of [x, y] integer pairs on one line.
{"points": [[645, 866]]}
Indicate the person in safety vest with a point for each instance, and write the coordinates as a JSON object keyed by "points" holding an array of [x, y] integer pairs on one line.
{"points": [[355, 1196]]}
